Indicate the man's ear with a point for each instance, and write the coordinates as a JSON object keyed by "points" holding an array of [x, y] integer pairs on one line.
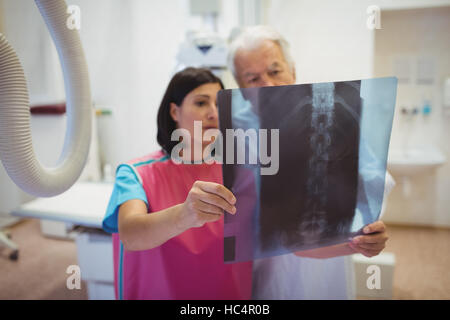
{"points": [[174, 111]]}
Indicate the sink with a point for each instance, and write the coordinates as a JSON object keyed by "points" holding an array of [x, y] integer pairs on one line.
{"points": [[413, 161]]}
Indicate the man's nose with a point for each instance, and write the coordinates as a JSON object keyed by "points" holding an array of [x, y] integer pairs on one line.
{"points": [[266, 81]]}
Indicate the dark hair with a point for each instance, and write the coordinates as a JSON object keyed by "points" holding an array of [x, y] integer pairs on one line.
{"points": [[179, 87]]}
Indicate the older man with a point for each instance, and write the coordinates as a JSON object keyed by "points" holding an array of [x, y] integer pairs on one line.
{"points": [[258, 57]]}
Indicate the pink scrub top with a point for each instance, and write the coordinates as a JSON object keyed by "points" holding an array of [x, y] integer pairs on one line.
{"points": [[188, 266]]}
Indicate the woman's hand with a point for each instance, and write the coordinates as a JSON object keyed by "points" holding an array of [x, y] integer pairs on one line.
{"points": [[206, 202]]}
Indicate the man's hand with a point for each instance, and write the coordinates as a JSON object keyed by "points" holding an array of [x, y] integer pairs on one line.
{"points": [[373, 242]]}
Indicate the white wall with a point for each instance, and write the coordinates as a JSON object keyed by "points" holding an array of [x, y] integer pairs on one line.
{"points": [[329, 39], [409, 36], [1, 17]]}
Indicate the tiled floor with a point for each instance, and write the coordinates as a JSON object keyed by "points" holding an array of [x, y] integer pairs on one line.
{"points": [[40, 271], [421, 270]]}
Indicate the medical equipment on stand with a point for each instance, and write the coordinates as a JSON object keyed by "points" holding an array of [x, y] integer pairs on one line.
{"points": [[204, 48], [207, 50], [16, 147]]}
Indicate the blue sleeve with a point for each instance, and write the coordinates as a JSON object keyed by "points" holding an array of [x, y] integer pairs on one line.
{"points": [[126, 187]]}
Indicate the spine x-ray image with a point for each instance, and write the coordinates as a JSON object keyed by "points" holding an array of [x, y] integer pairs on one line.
{"points": [[331, 150]]}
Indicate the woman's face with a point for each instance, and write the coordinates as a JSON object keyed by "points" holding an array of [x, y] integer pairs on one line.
{"points": [[199, 105]]}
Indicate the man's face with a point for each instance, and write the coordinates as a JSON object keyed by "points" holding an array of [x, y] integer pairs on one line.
{"points": [[262, 67]]}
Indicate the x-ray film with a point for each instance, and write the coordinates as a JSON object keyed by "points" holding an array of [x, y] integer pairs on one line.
{"points": [[307, 163]]}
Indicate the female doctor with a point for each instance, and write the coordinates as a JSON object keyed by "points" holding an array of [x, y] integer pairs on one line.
{"points": [[167, 218]]}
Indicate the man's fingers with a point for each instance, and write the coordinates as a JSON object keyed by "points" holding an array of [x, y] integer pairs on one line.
{"points": [[349, 244], [365, 252], [373, 238], [376, 246], [377, 226], [217, 189], [373, 241]]}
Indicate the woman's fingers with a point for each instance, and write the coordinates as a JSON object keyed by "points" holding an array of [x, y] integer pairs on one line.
{"points": [[208, 208], [217, 201], [217, 189], [206, 202], [209, 217], [220, 197]]}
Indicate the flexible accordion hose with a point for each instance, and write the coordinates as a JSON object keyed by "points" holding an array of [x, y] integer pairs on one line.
{"points": [[16, 148]]}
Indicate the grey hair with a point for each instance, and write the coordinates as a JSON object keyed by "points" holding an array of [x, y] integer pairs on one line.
{"points": [[251, 38]]}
